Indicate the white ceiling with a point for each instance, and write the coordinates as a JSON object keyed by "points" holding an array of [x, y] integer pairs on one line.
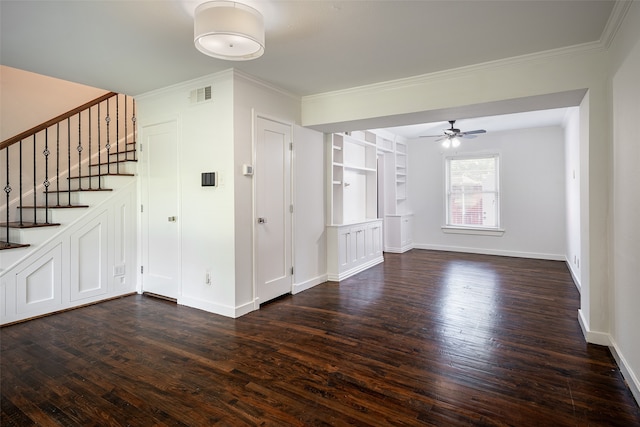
{"points": [[500, 123], [312, 46]]}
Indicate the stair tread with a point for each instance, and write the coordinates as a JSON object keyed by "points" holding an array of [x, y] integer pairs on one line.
{"points": [[10, 245], [78, 190], [102, 174], [113, 162], [53, 207], [26, 224], [115, 153]]}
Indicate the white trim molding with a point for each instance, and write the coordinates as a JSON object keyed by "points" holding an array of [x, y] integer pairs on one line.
{"points": [[574, 275], [215, 308], [593, 337], [496, 232], [625, 368], [484, 251], [308, 284]]}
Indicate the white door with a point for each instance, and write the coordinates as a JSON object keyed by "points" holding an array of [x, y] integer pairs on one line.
{"points": [[160, 228], [272, 211]]}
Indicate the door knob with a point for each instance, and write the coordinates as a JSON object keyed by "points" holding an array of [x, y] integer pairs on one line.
{"points": [[262, 220]]}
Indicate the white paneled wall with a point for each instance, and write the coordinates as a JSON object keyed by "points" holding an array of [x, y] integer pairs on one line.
{"points": [[91, 259]]}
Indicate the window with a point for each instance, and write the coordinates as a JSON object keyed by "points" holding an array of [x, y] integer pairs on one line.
{"points": [[473, 197]]}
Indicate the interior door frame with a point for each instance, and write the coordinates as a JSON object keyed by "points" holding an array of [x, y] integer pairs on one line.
{"points": [[254, 148], [144, 197]]}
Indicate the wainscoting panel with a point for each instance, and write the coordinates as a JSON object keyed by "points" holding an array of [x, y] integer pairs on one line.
{"points": [[89, 259], [39, 285], [124, 242]]}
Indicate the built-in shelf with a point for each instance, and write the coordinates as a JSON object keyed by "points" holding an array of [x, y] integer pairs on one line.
{"points": [[353, 172], [398, 220], [354, 233]]}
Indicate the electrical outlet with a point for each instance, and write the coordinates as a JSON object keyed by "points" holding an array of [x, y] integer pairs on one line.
{"points": [[118, 270]]}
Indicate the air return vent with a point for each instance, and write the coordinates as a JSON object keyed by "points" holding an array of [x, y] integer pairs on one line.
{"points": [[200, 95]]}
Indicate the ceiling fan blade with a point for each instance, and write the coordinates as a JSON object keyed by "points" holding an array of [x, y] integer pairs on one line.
{"points": [[430, 136], [473, 132], [442, 138], [467, 136]]}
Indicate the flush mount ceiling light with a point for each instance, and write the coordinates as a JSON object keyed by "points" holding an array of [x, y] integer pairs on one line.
{"points": [[228, 30]]}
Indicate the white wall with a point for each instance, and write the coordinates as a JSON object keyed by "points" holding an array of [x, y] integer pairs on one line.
{"points": [[624, 294], [310, 243], [217, 223], [251, 98], [206, 214], [572, 191], [75, 264], [532, 194]]}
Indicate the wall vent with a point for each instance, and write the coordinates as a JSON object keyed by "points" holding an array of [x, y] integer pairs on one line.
{"points": [[200, 95]]}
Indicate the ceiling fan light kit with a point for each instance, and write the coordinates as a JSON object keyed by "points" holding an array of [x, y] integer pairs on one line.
{"points": [[451, 142], [451, 137], [228, 30]]}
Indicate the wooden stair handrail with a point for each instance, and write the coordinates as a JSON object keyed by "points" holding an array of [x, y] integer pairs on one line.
{"points": [[42, 126]]}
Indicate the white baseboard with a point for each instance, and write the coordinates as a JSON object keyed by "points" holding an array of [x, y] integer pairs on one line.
{"points": [[348, 273], [574, 276], [593, 337], [308, 284], [223, 310], [627, 372], [243, 309], [484, 251], [401, 250]]}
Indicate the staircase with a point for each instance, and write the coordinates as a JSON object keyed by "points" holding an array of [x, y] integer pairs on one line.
{"points": [[68, 218], [55, 171]]}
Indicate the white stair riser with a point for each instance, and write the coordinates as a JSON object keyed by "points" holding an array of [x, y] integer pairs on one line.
{"points": [[112, 182], [80, 197], [32, 236], [56, 215], [122, 156], [125, 167]]}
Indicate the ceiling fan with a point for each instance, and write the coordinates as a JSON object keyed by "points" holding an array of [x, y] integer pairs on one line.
{"points": [[450, 137]]}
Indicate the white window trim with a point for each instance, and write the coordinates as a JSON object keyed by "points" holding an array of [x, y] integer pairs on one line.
{"points": [[496, 232], [478, 231]]}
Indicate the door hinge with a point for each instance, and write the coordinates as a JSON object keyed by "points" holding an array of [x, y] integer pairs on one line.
{"points": [[291, 208], [141, 269], [141, 208], [292, 271], [291, 146], [140, 147]]}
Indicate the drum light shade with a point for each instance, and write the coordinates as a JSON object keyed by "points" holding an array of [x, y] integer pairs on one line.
{"points": [[228, 30]]}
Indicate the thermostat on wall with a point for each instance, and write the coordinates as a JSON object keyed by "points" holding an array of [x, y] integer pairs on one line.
{"points": [[247, 170]]}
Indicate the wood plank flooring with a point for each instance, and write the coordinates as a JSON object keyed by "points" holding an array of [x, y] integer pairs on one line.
{"points": [[426, 338]]}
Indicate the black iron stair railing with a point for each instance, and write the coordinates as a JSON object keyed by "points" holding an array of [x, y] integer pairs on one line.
{"points": [[45, 148]]}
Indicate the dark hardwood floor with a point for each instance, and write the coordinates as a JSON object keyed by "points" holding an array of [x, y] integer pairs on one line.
{"points": [[427, 338]]}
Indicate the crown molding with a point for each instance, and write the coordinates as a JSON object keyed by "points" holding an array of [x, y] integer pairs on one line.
{"points": [[267, 85], [620, 9], [453, 72], [614, 22], [198, 81]]}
